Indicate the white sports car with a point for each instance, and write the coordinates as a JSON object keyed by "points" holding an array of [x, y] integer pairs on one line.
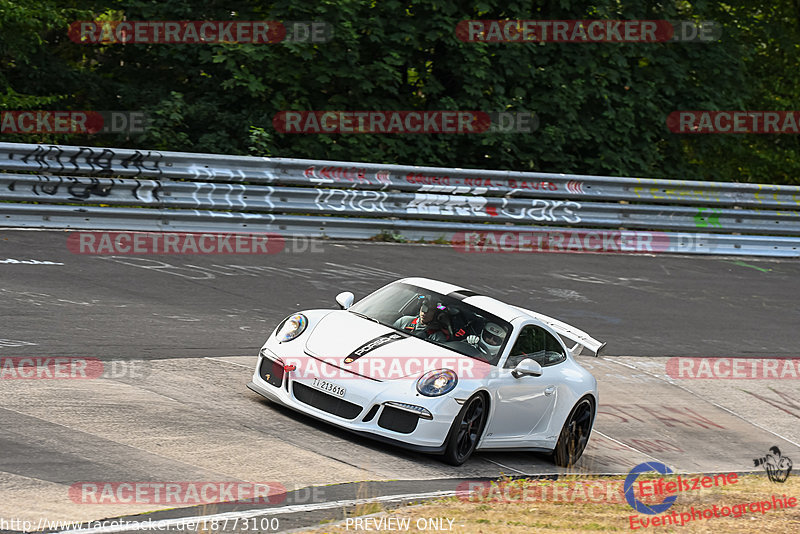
{"points": [[436, 368]]}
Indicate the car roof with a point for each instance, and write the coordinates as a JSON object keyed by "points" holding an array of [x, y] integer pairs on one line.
{"points": [[495, 307]]}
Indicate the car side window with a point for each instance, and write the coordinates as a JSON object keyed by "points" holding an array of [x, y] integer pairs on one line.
{"points": [[553, 351], [537, 344]]}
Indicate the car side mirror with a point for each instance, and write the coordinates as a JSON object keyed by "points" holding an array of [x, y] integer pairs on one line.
{"points": [[527, 367], [345, 300]]}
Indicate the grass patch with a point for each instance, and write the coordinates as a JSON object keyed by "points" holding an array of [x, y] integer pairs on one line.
{"points": [[565, 516], [388, 237]]}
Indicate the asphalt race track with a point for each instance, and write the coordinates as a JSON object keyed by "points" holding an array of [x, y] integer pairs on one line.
{"points": [[179, 336]]}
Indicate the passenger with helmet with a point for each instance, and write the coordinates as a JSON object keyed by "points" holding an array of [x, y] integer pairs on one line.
{"points": [[429, 324], [490, 341]]}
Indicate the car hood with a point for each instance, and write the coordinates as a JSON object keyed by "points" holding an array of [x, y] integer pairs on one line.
{"points": [[347, 341]]}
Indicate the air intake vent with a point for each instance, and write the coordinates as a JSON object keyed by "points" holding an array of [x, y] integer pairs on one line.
{"points": [[325, 402], [272, 372], [398, 420]]}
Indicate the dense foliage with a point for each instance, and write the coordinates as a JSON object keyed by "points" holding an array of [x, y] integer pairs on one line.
{"points": [[602, 107]]}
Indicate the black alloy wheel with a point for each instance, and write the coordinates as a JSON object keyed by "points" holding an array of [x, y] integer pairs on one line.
{"points": [[575, 434], [466, 431]]}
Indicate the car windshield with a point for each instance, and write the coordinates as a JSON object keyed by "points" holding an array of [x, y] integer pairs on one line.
{"points": [[439, 319]]}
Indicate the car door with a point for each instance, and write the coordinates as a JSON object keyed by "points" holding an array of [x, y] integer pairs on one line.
{"points": [[523, 406]]}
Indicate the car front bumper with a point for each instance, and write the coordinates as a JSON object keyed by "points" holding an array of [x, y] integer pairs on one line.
{"points": [[369, 407]]}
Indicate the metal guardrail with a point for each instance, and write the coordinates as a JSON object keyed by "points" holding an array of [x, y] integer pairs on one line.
{"points": [[333, 201], [49, 186]]}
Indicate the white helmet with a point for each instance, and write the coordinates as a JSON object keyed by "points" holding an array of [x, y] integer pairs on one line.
{"points": [[492, 338]]}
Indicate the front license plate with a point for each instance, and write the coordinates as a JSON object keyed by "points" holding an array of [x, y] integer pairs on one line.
{"points": [[327, 387]]}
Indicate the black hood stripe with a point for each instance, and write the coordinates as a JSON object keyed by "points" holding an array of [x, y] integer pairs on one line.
{"points": [[462, 294], [373, 344]]}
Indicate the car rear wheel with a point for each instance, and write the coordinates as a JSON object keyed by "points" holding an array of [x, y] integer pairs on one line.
{"points": [[466, 431], [575, 434]]}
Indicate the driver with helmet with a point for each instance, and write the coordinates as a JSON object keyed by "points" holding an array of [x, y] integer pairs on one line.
{"points": [[490, 340]]}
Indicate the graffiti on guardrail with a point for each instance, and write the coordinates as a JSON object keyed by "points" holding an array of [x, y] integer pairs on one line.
{"points": [[83, 188], [341, 200], [346, 175], [139, 161], [737, 194], [425, 204], [574, 186], [51, 158], [75, 188], [81, 191], [41, 154], [463, 184], [540, 210], [199, 172], [658, 193], [99, 161], [707, 217], [772, 194], [435, 183]]}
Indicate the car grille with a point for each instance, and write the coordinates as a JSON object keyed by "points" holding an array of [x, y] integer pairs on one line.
{"points": [[398, 420], [271, 371], [326, 403]]}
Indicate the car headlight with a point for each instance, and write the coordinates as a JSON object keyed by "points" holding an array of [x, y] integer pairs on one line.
{"points": [[436, 383], [291, 327]]}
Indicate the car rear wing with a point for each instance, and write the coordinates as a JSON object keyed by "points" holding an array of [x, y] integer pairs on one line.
{"points": [[581, 338]]}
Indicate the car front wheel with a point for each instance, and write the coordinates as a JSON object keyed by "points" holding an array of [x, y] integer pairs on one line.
{"points": [[575, 434], [466, 431]]}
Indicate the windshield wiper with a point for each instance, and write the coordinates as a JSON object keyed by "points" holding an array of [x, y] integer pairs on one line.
{"points": [[365, 316]]}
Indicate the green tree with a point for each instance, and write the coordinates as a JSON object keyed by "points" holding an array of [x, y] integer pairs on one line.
{"points": [[601, 107]]}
